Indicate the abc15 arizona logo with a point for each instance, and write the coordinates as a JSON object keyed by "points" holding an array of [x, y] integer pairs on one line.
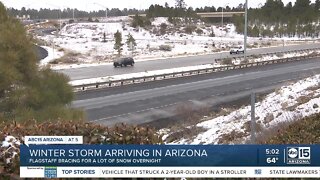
{"points": [[298, 155]]}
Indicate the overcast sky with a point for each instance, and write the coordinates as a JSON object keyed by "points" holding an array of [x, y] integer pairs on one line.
{"points": [[139, 4]]}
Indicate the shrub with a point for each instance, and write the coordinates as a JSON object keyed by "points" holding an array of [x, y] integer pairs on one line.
{"points": [[244, 61], [165, 48], [280, 55], [227, 61], [71, 21], [70, 57], [92, 134], [163, 28], [199, 31], [190, 29]]}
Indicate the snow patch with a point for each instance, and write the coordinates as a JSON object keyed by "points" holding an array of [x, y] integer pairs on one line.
{"points": [[159, 20]]}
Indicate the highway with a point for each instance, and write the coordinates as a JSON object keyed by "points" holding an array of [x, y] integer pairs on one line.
{"points": [[149, 102], [106, 70]]}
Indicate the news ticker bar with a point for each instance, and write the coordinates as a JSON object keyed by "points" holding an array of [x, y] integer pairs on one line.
{"points": [[169, 172]]}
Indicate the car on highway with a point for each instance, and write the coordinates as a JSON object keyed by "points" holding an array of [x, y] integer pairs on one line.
{"points": [[123, 62], [237, 50]]}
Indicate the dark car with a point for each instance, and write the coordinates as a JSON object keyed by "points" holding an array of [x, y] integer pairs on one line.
{"points": [[123, 62]]}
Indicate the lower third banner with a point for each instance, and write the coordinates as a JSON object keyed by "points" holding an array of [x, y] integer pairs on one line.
{"points": [[55, 161]]}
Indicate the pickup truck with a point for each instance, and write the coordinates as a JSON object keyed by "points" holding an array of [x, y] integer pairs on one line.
{"points": [[237, 50]]}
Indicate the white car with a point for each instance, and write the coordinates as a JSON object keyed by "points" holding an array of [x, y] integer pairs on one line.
{"points": [[237, 50]]}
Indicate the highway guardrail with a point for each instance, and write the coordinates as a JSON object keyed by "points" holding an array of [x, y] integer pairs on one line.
{"points": [[148, 78]]}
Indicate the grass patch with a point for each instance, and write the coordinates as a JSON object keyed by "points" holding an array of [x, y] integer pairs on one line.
{"points": [[304, 131], [256, 56], [303, 99], [69, 57], [231, 137], [165, 48], [313, 88], [185, 126], [186, 133]]}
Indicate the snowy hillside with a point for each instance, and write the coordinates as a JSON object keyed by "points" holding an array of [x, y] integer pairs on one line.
{"points": [[287, 104], [84, 41]]}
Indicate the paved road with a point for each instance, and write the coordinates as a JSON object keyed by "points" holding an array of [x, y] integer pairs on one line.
{"points": [[105, 70], [138, 104], [41, 52], [44, 31]]}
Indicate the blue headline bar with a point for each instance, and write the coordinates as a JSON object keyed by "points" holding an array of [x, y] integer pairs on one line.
{"points": [[170, 155]]}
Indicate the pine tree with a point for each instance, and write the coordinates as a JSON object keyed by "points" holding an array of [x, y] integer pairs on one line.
{"points": [[25, 91], [17, 61], [180, 4], [131, 43], [317, 7], [118, 42]]}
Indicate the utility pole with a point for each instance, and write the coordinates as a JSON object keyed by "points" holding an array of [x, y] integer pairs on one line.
{"points": [[59, 21], [73, 15], [222, 16], [222, 28], [222, 21], [106, 13], [245, 30], [103, 7], [253, 118], [59, 15]]}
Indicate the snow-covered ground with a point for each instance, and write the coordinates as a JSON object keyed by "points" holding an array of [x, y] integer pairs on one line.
{"points": [[52, 55], [183, 69], [289, 103], [85, 39], [9, 148]]}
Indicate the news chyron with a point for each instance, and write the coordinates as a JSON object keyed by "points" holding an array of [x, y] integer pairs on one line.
{"points": [[68, 157]]}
